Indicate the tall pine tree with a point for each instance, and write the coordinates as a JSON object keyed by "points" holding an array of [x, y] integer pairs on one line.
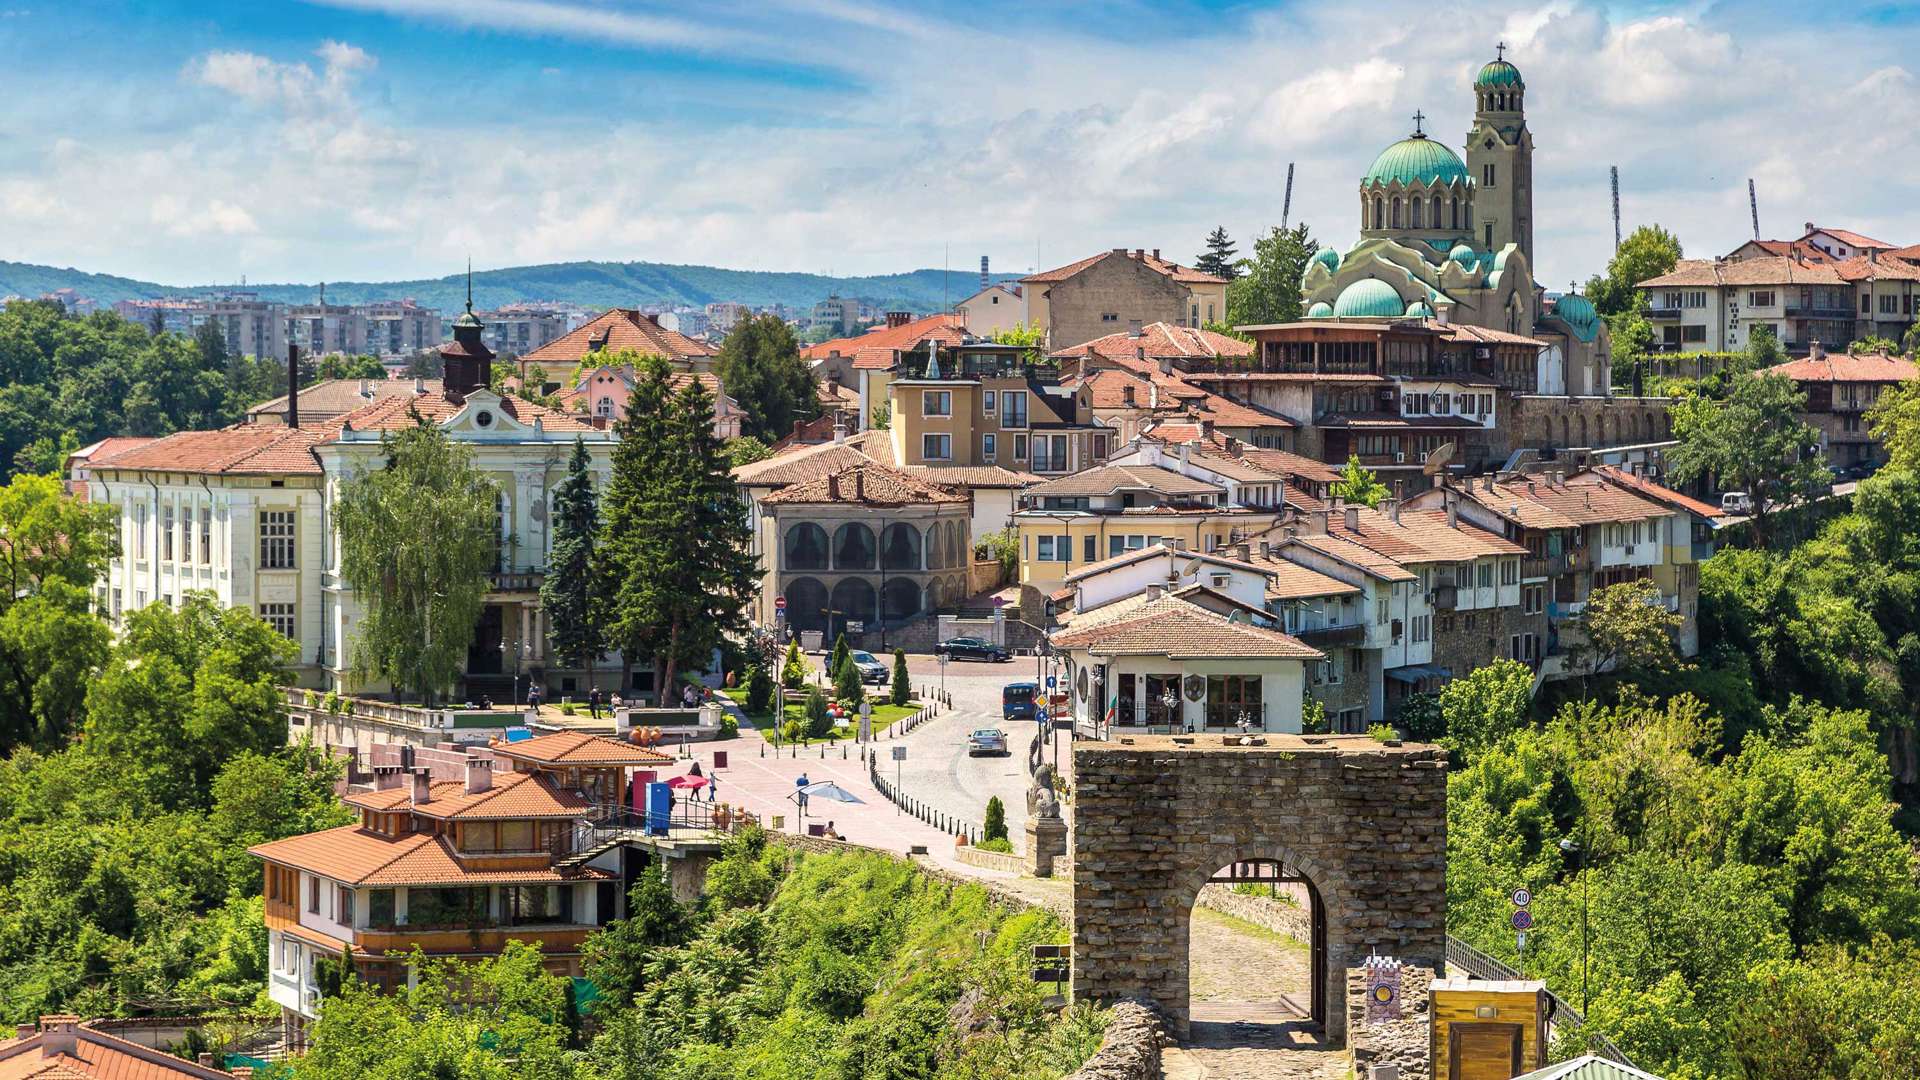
{"points": [[621, 558], [567, 595], [1218, 259]]}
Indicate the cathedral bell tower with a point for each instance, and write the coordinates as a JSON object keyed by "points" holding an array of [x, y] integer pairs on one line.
{"points": [[1500, 159], [468, 360]]}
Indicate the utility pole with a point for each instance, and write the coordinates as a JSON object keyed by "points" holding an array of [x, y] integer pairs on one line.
{"points": [[1615, 170], [1753, 205], [1286, 206]]}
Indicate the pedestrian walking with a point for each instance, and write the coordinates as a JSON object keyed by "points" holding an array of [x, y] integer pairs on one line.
{"points": [[593, 702], [713, 785]]}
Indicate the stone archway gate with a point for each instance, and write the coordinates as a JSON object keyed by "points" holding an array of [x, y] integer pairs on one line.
{"points": [[1362, 822]]}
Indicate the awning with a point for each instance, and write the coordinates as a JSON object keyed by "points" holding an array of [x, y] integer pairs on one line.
{"points": [[1415, 672]]}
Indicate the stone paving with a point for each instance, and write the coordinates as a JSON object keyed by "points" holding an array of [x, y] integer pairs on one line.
{"points": [[1248, 985]]}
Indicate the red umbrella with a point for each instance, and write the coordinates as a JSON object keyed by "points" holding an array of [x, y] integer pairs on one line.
{"points": [[688, 783]]}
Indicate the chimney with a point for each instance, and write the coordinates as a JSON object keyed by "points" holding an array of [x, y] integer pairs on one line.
{"points": [[419, 385], [1206, 429], [205, 1061], [479, 773], [654, 319], [1443, 312], [1394, 503], [1353, 519], [59, 1034], [833, 487], [293, 385], [1317, 523], [898, 318], [1453, 509], [1155, 591], [1266, 549], [839, 434], [1156, 254], [1809, 228], [387, 777], [859, 485], [1134, 327], [25, 1031], [1119, 251], [422, 786], [1176, 543], [1816, 351], [1186, 456], [1153, 395], [1139, 253], [366, 388]]}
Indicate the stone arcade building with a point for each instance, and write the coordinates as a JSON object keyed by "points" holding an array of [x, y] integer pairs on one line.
{"points": [[1361, 823]]}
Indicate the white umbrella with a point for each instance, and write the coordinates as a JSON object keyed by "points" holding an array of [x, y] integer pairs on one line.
{"points": [[827, 789]]}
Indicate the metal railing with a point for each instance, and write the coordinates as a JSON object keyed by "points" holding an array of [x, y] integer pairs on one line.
{"points": [[1563, 1020]]}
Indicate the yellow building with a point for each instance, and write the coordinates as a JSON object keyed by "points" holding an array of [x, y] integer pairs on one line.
{"points": [[1118, 289], [1068, 524], [982, 404]]}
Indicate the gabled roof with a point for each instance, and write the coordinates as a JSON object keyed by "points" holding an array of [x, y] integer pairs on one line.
{"points": [[1184, 274], [864, 483], [329, 398], [1640, 485], [1178, 629], [1358, 556], [1154, 551], [579, 748], [399, 413], [1588, 1067], [1537, 503], [616, 330], [96, 1055], [352, 855], [1861, 268], [1420, 536], [805, 462], [1760, 270], [1160, 339], [242, 450], [511, 796], [875, 349], [1112, 479], [1847, 236], [1848, 368]]}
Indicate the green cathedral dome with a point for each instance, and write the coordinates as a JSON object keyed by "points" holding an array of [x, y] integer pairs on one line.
{"points": [[1320, 310], [1415, 159], [1578, 313], [1497, 75], [1369, 298], [1328, 258]]}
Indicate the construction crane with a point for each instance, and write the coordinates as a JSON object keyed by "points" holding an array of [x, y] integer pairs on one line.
{"points": [[1753, 206], [1286, 206], [1615, 170]]}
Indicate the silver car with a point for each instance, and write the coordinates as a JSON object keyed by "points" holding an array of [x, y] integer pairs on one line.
{"points": [[987, 741]]}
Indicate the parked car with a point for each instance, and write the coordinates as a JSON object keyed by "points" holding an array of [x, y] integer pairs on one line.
{"points": [[973, 648], [1736, 502], [870, 668], [991, 741], [1017, 700]]}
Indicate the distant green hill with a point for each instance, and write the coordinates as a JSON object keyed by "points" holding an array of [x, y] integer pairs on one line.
{"points": [[589, 284]]}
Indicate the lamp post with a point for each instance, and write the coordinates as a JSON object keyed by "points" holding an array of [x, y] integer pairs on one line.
{"points": [[520, 649]]}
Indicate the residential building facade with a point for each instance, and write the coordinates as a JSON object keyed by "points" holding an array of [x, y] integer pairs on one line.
{"points": [[1840, 388], [1108, 292]]}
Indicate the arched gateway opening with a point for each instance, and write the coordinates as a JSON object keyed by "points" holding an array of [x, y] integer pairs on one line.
{"points": [[1256, 950], [1359, 823]]}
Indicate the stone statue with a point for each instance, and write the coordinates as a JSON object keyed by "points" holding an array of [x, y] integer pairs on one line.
{"points": [[1042, 803]]}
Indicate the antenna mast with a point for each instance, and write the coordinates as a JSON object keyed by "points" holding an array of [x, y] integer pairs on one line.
{"points": [[1753, 205], [1286, 207], [1615, 170]]}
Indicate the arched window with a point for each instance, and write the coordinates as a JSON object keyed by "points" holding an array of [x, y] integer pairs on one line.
{"points": [[806, 604], [899, 599], [853, 547], [854, 599], [957, 543], [1583, 431], [1396, 211], [1414, 207], [1436, 211], [900, 547], [1566, 432], [806, 548], [936, 548], [1379, 213], [1453, 215]]}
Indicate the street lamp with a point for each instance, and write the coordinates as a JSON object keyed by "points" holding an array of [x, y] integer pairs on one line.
{"points": [[1573, 850], [520, 649]]}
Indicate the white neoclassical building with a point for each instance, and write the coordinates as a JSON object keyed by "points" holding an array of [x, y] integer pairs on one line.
{"points": [[246, 513]]}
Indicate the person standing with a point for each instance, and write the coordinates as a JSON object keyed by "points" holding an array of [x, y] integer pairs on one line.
{"points": [[593, 702]]}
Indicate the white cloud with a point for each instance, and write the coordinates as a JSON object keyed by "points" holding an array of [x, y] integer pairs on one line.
{"points": [[1329, 101]]}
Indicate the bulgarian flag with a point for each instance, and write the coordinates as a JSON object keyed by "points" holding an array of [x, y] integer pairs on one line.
{"points": [[1113, 710]]}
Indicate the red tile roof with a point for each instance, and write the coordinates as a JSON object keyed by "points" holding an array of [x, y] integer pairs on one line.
{"points": [[95, 1056], [1846, 236], [355, 856], [397, 413], [875, 349], [241, 450], [619, 330], [1538, 504], [1848, 368], [1761, 270], [1110, 479], [864, 483], [1177, 629], [512, 796], [1860, 268], [1161, 339], [1184, 274], [579, 748], [1640, 485], [1420, 536]]}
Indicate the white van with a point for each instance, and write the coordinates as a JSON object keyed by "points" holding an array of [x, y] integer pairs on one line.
{"points": [[1736, 502]]}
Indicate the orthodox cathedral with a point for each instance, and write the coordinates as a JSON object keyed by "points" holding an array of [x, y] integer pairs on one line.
{"points": [[1450, 240]]}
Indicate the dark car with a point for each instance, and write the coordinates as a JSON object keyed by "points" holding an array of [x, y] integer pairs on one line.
{"points": [[870, 668], [972, 648]]}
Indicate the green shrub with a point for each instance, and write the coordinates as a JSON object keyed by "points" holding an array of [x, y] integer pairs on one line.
{"points": [[847, 685], [999, 843], [995, 825], [1382, 732], [729, 727], [794, 671], [568, 708], [902, 689], [839, 654], [759, 691], [793, 731], [818, 722]]}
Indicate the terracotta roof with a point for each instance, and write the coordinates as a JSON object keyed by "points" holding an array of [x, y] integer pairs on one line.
{"points": [[971, 476], [1178, 629], [1848, 368], [1389, 420], [244, 449], [865, 483], [805, 462], [1355, 555], [1286, 377], [93, 453], [96, 1055], [1421, 536], [1300, 500], [1161, 339], [1110, 479], [329, 398], [1464, 332], [1186, 274], [875, 349], [396, 413], [1860, 268], [1640, 485], [1292, 464], [1107, 389], [1291, 581], [579, 748], [1761, 270], [511, 796], [1537, 504], [1846, 236], [618, 330], [355, 856]]}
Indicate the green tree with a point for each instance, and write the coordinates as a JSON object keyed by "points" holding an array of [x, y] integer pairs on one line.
{"points": [[1756, 441], [759, 691], [847, 686], [994, 825], [1267, 289], [1835, 1013], [340, 366], [761, 368], [53, 549], [1358, 484], [881, 418], [1032, 335], [1647, 252], [616, 958], [746, 450], [1910, 344], [417, 541], [1627, 627], [902, 690], [1218, 259], [1486, 705], [1867, 346], [819, 721], [839, 654], [573, 612], [793, 670]]}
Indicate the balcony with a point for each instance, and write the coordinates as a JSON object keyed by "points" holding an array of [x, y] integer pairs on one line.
{"points": [[1658, 313], [1054, 463], [1444, 597], [1347, 636], [1806, 311], [526, 579]]}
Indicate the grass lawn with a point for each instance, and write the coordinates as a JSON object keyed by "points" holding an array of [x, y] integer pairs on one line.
{"points": [[797, 710]]}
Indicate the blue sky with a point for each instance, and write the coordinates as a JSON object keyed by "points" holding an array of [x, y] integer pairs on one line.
{"points": [[368, 139]]}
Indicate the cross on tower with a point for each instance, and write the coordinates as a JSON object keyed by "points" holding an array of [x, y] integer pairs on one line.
{"points": [[1418, 118], [1500, 51]]}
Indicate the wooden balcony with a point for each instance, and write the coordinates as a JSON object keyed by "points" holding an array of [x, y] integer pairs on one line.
{"points": [[487, 939]]}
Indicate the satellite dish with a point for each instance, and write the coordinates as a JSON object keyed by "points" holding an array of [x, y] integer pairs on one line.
{"points": [[1437, 459]]}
